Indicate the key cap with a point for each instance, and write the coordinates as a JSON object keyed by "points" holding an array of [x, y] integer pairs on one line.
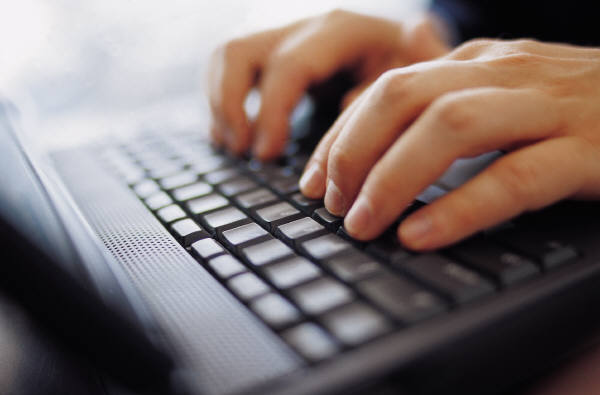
{"points": [[255, 198], [192, 191], [178, 180], [187, 231], [388, 249], [305, 204], [506, 267], [353, 267], [275, 310], [208, 164], [326, 218], [457, 282], [247, 286], [222, 217], [207, 203], [272, 215], [404, 300], [356, 323], [219, 176], [164, 170], [325, 246], [265, 252], [226, 266], [291, 272], [286, 185], [547, 252], [299, 229], [170, 213], [310, 341], [146, 188], [321, 295], [158, 200], [243, 234], [206, 248], [237, 185]]}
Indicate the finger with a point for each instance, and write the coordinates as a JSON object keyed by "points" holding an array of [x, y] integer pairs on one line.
{"points": [[458, 124], [518, 182], [312, 182], [311, 55], [232, 73], [394, 101], [354, 93]]}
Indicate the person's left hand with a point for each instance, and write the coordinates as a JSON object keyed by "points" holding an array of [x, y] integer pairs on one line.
{"points": [[539, 102]]}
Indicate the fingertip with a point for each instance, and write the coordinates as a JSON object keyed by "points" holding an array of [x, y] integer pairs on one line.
{"points": [[312, 182], [417, 232]]}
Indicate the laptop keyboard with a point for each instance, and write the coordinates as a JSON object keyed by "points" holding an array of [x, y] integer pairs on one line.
{"points": [[291, 262]]}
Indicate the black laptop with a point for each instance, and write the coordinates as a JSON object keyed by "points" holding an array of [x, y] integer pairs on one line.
{"points": [[176, 268]]}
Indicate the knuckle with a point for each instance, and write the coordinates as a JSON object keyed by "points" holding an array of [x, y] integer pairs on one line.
{"points": [[339, 162], [336, 14], [518, 179], [454, 114], [392, 87], [232, 48], [473, 48]]}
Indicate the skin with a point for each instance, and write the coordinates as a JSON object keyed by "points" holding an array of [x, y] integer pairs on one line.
{"points": [[417, 106]]}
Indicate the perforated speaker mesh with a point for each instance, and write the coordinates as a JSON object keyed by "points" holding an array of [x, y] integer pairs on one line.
{"points": [[226, 345]]}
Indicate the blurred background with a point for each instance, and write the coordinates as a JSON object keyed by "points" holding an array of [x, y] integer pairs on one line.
{"points": [[85, 68]]}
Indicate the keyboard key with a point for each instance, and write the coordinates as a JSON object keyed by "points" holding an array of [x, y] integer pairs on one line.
{"points": [[207, 203], [255, 198], [325, 246], [284, 186], [457, 282], [311, 342], [355, 324], [243, 234], [237, 185], [353, 267], [268, 251], [178, 180], [402, 299], [158, 200], [291, 272], [226, 266], [305, 204], [274, 214], [225, 216], [547, 252], [170, 213], [219, 176], [506, 267], [206, 248], [207, 164], [164, 169], [247, 286], [300, 228], [388, 249], [146, 188], [321, 295], [326, 218], [187, 231], [275, 310], [192, 191]]}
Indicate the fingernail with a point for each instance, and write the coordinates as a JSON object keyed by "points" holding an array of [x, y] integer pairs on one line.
{"points": [[312, 181], [334, 201], [416, 229], [357, 220]]}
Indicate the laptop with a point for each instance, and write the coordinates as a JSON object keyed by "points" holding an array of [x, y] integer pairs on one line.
{"points": [[176, 268]]}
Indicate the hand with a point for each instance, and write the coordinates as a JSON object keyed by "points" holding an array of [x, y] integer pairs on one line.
{"points": [[539, 102], [285, 62]]}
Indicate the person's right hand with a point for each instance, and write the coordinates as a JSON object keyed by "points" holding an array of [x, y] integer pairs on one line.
{"points": [[283, 63]]}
